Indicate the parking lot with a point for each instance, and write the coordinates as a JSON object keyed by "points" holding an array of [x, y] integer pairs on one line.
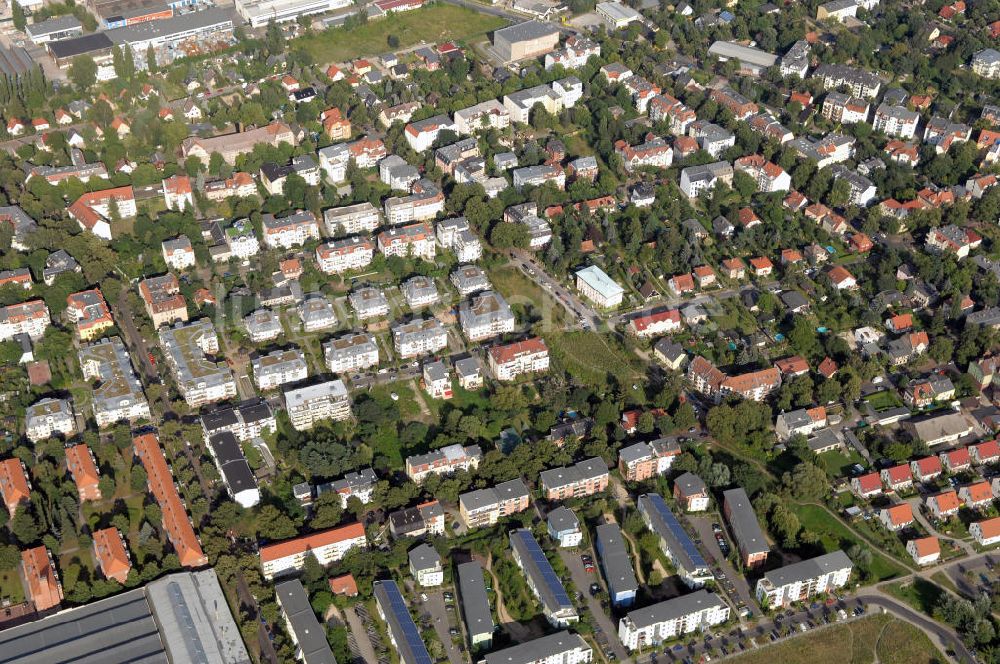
{"points": [[734, 584], [443, 614], [605, 628]]}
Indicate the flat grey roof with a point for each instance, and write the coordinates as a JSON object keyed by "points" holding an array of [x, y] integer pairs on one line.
{"points": [[808, 569], [116, 629], [54, 24], [615, 561], [538, 650], [475, 603], [309, 634], [180, 618], [743, 521], [68, 48], [753, 56], [166, 27], [673, 608], [525, 31]]}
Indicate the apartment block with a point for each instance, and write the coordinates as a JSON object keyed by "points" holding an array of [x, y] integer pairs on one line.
{"points": [[328, 400], [163, 299], [278, 368], [642, 461], [419, 337], [484, 507], [485, 316], [49, 417], [329, 546], [443, 461], [119, 396], [353, 351], [805, 579], [584, 478], [162, 485], [509, 361], [199, 379]]}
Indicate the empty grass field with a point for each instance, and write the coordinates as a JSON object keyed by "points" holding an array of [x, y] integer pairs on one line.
{"points": [[434, 24], [592, 357], [879, 638]]}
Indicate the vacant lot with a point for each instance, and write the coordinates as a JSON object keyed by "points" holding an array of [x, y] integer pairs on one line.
{"points": [[432, 25], [835, 535], [592, 358], [879, 638], [920, 594]]}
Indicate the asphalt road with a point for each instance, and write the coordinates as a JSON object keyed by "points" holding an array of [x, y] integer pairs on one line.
{"points": [[565, 297]]}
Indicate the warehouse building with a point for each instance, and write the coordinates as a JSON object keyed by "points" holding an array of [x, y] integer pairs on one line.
{"points": [[166, 621], [525, 40], [259, 13]]}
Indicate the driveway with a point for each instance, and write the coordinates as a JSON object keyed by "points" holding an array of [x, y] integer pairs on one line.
{"points": [[436, 608], [734, 580], [602, 621]]}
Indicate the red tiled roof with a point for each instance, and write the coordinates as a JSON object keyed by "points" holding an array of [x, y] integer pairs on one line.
{"points": [[298, 545], [946, 501], [175, 517], [111, 554], [900, 514], [504, 354], [344, 585]]}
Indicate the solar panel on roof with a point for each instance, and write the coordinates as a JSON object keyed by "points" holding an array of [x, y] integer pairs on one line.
{"points": [[544, 568], [677, 530], [411, 634]]}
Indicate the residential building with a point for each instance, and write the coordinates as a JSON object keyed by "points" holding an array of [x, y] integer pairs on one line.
{"points": [[95, 211], [584, 478], [476, 613], [691, 492], [415, 240], [403, 632], [425, 566], [896, 517], [308, 405], [419, 292], [486, 315], [14, 484], [230, 146], [369, 302], [423, 519], [422, 134], [306, 632], [83, 469], [542, 579], [674, 541], [746, 529], [160, 481], [349, 352], [897, 478], [509, 361], [490, 114], [941, 429], [443, 461], [246, 420], [484, 507], [419, 337], [163, 299], [351, 253], [31, 318], [352, 219], [278, 368], [642, 461], [986, 533], [89, 312], [769, 176], [292, 231], [119, 396], [976, 496], [845, 109], [924, 550], [470, 279], [598, 287], [616, 564], [263, 325], [536, 176], [199, 379], [897, 121], [564, 527], [559, 648], [437, 380], [329, 546], [696, 180], [653, 625], [110, 554], [177, 193], [710, 381], [316, 313], [424, 203], [48, 417], [234, 469], [803, 421], [805, 579], [985, 453], [860, 82], [943, 505], [41, 581], [926, 469]]}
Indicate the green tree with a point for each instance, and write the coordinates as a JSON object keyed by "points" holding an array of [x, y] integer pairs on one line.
{"points": [[82, 72], [20, 20]]}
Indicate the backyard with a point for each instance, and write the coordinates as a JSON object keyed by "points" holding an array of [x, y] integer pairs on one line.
{"points": [[878, 638], [431, 25], [835, 535], [838, 463]]}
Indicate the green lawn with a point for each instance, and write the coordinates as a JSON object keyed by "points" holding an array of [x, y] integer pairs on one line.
{"points": [[835, 535], [876, 638], [884, 400], [523, 293], [921, 594], [10, 586], [432, 25], [838, 464]]}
